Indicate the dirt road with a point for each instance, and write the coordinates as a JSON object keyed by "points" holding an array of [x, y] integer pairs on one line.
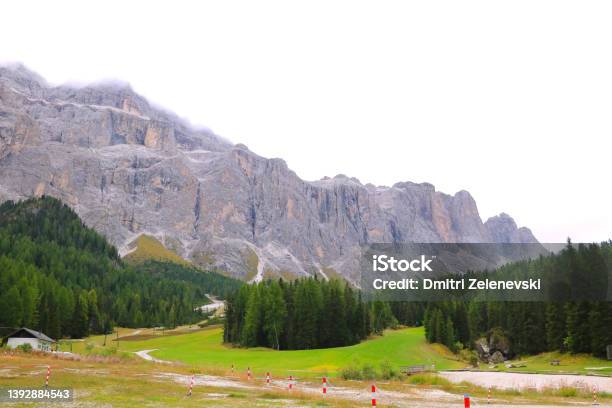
{"points": [[520, 381], [410, 396], [145, 355]]}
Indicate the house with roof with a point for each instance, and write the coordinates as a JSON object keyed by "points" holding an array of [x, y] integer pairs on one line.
{"points": [[38, 341]]}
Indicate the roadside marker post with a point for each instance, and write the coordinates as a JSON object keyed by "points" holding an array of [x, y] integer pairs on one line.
{"points": [[47, 377], [595, 396], [373, 395], [489, 396], [324, 386], [268, 378], [191, 385], [466, 400], [232, 370], [290, 382], [249, 373]]}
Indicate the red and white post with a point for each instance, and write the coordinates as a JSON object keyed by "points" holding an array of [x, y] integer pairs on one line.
{"points": [[466, 400], [324, 386], [47, 377], [249, 373], [190, 391], [268, 378], [373, 395], [290, 382], [595, 396]]}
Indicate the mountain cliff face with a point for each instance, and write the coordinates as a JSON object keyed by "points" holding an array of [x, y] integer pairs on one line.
{"points": [[128, 169]]}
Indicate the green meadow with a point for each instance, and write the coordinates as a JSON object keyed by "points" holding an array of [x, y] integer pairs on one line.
{"points": [[204, 349]]}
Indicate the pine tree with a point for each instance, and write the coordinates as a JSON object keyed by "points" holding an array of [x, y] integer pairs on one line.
{"points": [[95, 323], [336, 316], [449, 335], [555, 326], [427, 323], [477, 318], [29, 302], [80, 320], [462, 329], [274, 315], [11, 309], [253, 319], [600, 323], [441, 334]]}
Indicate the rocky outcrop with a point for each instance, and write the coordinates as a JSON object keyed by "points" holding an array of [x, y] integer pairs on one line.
{"points": [[128, 168], [493, 348], [503, 229]]}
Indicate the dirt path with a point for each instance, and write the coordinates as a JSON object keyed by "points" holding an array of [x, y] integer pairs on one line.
{"points": [[213, 306], [411, 397], [522, 381], [426, 398], [145, 355]]}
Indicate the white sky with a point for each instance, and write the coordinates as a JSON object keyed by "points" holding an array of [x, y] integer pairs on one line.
{"points": [[511, 100]]}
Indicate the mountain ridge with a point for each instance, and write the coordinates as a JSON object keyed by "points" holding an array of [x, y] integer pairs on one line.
{"points": [[131, 169]]}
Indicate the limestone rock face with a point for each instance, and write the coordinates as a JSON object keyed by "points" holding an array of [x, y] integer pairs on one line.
{"points": [[128, 168], [503, 229]]}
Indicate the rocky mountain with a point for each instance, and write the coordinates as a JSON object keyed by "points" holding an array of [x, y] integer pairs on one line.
{"points": [[129, 168]]}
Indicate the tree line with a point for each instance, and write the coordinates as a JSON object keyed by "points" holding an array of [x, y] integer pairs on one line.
{"points": [[570, 322], [64, 279], [306, 313]]}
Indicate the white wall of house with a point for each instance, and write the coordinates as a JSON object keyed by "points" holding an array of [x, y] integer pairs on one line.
{"points": [[36, 344]]}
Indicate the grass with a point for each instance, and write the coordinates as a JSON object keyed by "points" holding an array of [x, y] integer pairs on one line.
{"points": [[569, 364], [148, 247], [252, 262], [112, 375], [204, 348], [136, 383], [101, 381]]}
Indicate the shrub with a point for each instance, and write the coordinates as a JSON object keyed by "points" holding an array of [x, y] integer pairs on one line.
{"points": [[428, 379], [351, 372], [25, 347], [368, 372], [567, 392], [109, 351], [387, 372]]}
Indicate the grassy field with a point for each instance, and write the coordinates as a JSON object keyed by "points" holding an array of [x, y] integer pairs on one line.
{"points": [[105, 382], [149, 248], [203, 348], [123, 380], [569, 363], [105, 376]]}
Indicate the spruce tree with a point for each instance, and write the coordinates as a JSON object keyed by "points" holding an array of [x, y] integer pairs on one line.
{"points": [[253, 319], [80, 320], [449, 335], [274, 315], [555, 326]]}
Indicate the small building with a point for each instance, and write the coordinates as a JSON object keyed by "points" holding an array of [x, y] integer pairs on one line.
{"points": [[38, 341]]}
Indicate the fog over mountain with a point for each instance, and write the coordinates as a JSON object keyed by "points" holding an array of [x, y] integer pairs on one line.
{"points": [[129, 168]]}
